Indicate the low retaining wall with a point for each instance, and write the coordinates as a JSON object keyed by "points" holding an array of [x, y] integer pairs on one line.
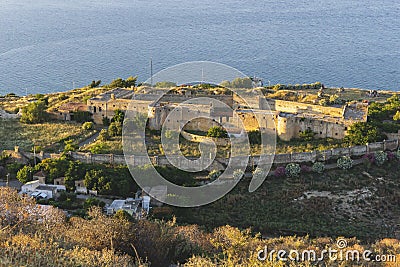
{"points": [[301, 157]]}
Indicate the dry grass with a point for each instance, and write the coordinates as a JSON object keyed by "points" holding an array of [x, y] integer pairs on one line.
{"points": [[76, 95], [44, 135], [113, 146], [352, 94]]}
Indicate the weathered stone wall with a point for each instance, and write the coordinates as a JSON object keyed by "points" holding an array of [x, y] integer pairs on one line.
{"points": [[297, 107], [288, 126], [278, 158]]}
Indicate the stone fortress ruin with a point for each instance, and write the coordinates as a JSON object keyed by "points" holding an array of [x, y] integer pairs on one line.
{"points": [[177, 106]]}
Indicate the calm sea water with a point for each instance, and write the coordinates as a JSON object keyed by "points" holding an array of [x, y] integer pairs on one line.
{"points": [[51, 45]]}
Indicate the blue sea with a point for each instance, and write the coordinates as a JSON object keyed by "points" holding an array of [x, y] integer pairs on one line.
{"points": [[55, 45]]}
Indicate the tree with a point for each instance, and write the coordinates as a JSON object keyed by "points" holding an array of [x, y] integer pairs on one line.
{"points": [[90, 202], [24, 175], [95, 84], [361, 133], [119, 82], [396, 116], [217, 132], [106, 121], [87, 126], [82, 116], [34, 112], [69, 146], [115, 129], [96, 180], [131, 81], [103, 136], [307, 135], [76, 171], [254, 137], [119, 116], [55, 168]]}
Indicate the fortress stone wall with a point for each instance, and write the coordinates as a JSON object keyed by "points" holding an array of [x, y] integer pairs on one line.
{"points": [[289, 119], [301, 157], [297, 107]]}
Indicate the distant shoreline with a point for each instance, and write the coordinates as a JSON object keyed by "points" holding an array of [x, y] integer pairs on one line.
{"points": [[331, 87]]}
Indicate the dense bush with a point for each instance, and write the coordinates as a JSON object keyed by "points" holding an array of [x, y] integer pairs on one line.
{"points": [[129, 82], [238, 83], [345, 163], [254, 137], [24, 175], [361, 133], [104, 136], [82, 116], [115, 129], [34, 112], [217, 132], [277, 87], [318, 167], [94, 84], [307, 135], [380, 158], [87, 126], [70, 146], [293, 170]]}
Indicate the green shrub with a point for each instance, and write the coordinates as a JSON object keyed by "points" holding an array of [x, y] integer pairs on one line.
{"points": [[307, 135], [70, 146], [318, 167], [106, 121], [254, 137], [24, 175], [34, 112], [323, 102], [345, 163], [293, 170], [82, 116], [103, 136], [380, 158], [214, 174], [217, 132], [87, 126]]}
